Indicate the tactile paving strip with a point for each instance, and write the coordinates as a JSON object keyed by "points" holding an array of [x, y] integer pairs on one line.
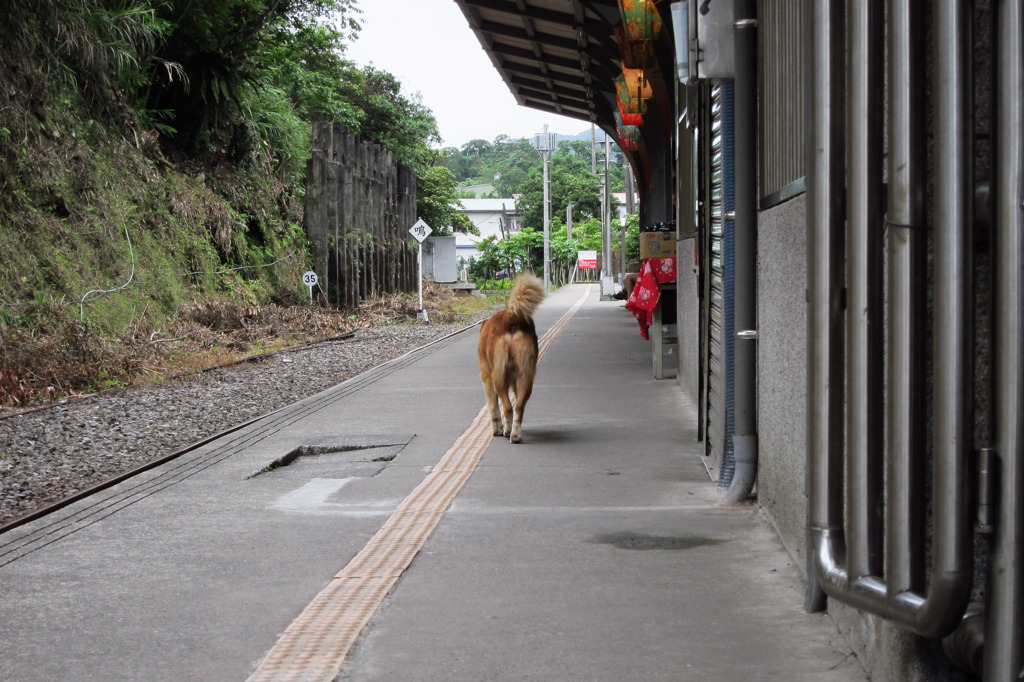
{"points": [[314, 646]]}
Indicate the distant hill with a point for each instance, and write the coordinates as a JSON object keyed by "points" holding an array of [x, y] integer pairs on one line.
{"points": [[585, 135], [475, 191], [481, 167], [582, 135]]}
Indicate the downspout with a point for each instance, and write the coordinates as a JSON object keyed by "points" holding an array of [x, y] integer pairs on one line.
{"points": [[745, 225], [826, 164], [1004, 590]]}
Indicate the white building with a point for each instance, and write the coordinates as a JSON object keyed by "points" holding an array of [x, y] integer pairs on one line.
{"points": [[500, 217], [620, 197], [493, 217]]}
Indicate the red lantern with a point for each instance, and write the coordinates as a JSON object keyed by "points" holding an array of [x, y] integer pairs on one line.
{"points": [[631, 89], [628, 134], [641, 25]]}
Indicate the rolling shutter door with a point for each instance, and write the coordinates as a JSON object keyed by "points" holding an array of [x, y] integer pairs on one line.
{"points": [[719, 382]]}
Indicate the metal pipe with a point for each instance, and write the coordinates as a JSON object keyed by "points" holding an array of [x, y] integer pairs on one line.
{"points": [[607, 218], [953, 200], [825, 167], [545, 152], [745, 257], [1004, 645], [864, 289], [936, 613], [905, 348]]}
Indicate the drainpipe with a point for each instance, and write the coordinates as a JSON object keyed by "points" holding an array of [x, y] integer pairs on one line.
{"points": [[745, 302], [1004, 590], [826, 168]]}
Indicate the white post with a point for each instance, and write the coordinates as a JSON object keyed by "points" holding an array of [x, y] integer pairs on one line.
{"points": [[419, 280], [544, 147], [547, 216], [420, 231], [607, 289]]}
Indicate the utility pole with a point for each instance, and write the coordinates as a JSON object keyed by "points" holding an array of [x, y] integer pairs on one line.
{"points": [[593, 148], [604, 232], [545, 145], [606, 220], [627, 176], [568, 221]]}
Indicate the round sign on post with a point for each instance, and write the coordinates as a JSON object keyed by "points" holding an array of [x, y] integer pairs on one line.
{"points": [[310, 279]]}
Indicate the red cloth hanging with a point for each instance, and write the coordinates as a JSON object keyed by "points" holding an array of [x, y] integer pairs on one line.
{"points": [[646, 293]]}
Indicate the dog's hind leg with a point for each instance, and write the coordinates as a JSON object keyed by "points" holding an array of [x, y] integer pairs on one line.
{"points": [[524, 387], [492, 405], [506, 405]]}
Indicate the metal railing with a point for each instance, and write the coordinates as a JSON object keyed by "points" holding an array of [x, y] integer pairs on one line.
{"points": [[860, 456]]}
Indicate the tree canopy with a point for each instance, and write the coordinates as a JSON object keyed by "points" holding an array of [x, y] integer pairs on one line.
{"points": [[508, 162], [241, 80], [248, 75], [439, 205]]}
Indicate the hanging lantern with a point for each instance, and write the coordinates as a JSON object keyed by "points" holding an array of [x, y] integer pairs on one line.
{"points": [[640, 27], [628, 134], [631, 110], [640, 19], [628, 145], [634, 55], [631, 89], [638, 84]]}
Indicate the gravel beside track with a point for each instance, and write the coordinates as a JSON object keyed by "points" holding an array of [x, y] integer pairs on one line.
{"points": [[47, 455]]}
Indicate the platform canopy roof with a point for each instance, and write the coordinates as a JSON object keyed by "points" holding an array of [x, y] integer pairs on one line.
{"points": [[559, 56], [564, 56]]}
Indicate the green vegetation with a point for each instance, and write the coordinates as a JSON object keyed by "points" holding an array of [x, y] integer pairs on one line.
{"points": [[524, 251], [152, 160], [515, 167], [512, 166]]}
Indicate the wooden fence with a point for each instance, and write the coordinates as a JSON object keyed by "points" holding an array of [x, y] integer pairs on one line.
{"points": [[360, 204]]}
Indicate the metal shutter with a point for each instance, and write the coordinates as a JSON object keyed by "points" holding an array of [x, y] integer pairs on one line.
{"points": [[719, 383]]}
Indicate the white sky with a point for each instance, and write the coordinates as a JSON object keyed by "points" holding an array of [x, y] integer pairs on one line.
{"points": [[429, 47]]}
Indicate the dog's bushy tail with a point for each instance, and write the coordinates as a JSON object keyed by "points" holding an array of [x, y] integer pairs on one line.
{"points": [[527, 293]]}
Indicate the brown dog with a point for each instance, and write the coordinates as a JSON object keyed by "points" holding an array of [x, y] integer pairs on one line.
{"points": [[508, 357]]}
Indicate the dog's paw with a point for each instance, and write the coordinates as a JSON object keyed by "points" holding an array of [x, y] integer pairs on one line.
{"points": [[516, 439]]}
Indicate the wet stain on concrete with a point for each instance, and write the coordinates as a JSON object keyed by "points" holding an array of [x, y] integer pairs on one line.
{"points": [[641, 541]]}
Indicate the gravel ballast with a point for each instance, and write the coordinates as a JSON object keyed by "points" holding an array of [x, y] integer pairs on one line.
{"points": [[49, 454]]}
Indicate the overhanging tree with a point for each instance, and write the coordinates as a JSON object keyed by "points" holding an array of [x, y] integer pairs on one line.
{"points": [[438, 203]]}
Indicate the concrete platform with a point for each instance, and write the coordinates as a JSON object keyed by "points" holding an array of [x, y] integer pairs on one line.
{"points": [[591, 552]]}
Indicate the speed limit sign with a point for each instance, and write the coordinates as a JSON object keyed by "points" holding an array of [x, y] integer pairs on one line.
{"points": [[310, 279]]}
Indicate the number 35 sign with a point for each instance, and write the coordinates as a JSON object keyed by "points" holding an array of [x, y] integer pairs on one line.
{"points": [[310, 279]]}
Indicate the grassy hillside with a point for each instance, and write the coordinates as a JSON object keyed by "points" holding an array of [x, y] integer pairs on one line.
{"points": [[105, 240], [113, 238], [152, 155]]}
